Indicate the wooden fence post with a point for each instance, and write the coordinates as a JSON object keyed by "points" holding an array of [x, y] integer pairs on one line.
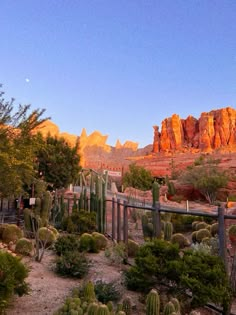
{"points": [[158, 220], [222, 238], [118, 221], [125, 223], [113, 222]]}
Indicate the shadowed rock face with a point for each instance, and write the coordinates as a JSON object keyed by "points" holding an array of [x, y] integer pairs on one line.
{"points": [[211, 131]]}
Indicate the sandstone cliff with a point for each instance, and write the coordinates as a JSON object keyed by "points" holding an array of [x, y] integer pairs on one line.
{"points": [[213, 130]]}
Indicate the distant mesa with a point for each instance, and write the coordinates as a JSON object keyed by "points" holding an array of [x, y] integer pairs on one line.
{"points": [[213, 130]]}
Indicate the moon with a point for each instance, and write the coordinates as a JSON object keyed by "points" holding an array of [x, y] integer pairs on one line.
{"points": [[27, 80]]}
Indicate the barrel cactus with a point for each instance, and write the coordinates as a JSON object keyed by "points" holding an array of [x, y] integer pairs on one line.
{"points": [[168, 231], [92, 309], [100, 240], [214, 229], [153, 303], [24, 246], [11, 233], [126, 306], [169, 308], [180, 239], [201, 225], [133, 248], [103, 310], [201, 234], [176, 304]]}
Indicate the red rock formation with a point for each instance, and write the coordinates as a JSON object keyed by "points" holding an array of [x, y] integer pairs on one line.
{"points": [[213, 130]]}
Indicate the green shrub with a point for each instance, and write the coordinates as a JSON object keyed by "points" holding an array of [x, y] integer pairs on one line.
{"points": [[64, 243], [180, 239], [87, 243], [201, 234], [100, 240], [80, 222], [106, 292], [11, 233], [73, 264], [182, 223], [132, 248], [12, 278], [24, 246]]}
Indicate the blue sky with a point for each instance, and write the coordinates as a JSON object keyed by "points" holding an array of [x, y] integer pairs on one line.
{"points": [[119, 66]]}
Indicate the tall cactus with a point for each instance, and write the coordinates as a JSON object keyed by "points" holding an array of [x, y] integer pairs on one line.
{"points": [[153, 303], [155, 193], [89, 293], [169, 308], [46, 207], [168, 230], [103, 310]]}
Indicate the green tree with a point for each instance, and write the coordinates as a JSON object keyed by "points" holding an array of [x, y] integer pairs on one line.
{"points": [[206, 176], [17, 145], [58, 163], [137, 177]]}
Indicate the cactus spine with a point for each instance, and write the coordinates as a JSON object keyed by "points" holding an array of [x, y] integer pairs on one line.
{"points": [[169, 309], [153, 303], [103, 310], [168, 231]]}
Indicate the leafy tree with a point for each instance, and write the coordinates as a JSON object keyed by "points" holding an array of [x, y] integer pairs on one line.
{"points": [[202, 275], [58, 163], [17, 145], [206, 176], [138, 177]]}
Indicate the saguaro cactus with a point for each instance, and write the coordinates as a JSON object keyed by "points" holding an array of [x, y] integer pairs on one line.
{"points": [[153, 303]]}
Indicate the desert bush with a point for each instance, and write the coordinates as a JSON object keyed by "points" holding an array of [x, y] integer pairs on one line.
{"points": [[64, 243], [24, 246], [87, 243], [201, 274], [73, 264], [202, 233], [106, 292], [100, 240], [13, 274], [180, 239], [11, 233], [80, 222], [117, 253]]}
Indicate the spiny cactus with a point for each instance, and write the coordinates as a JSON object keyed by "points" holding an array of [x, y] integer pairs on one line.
{"points": [[89, 293], [103, 310], [153, 303], [155, 193], [120, 313], [169, 308], [126, 306], [201, 234], [176, 304], [168, 231], [110, 306], [46, 207], [92, 309]]}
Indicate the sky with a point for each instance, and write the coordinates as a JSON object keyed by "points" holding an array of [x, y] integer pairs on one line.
{"points": [[118, 66]]}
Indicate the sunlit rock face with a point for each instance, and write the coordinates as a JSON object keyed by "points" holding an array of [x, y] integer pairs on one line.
{"points": [[213, 130]]}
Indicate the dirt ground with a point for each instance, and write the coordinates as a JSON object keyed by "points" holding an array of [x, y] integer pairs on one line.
{"points": [[48, 290]]}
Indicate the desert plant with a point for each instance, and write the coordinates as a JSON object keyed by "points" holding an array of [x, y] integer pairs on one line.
{"points": [[106, 292], [232, 232], [103, 310], [73, 264], [169, 309], [92, 308], [194, 236], [168, 231], [46, 236], [11, 233], [176, 304], [153, 303], [87, 243], [100, 240], [194, 224], [64, 243], [201, 225], [89, 292], [180, 239], [201, 234], [24, 246], [13, 274], [214, 228]]}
